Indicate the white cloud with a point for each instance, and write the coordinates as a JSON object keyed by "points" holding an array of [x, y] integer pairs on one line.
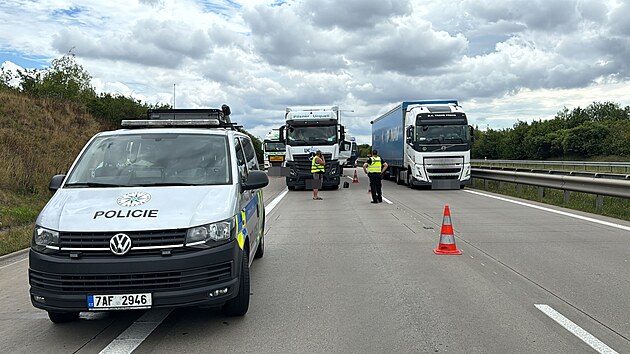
{"points": [[518, 59]]}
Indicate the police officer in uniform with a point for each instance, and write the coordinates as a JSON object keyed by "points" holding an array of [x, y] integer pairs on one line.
{"points": [[317, 169], [375, 167]]}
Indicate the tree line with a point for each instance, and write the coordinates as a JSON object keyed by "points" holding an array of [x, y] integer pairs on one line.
{"points": [[601, 130], [66, 80]]}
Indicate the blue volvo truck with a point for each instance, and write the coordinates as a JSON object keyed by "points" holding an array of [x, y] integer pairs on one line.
{"points": [[425, 143]]}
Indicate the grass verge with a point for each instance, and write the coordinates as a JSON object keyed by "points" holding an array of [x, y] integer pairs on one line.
{"points": [[15, 238], [613, 207]]}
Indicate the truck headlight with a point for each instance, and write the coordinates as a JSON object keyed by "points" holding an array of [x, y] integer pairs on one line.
{"points": [[45, 239], [333, 171], [210, 234], [467, 172], [420, 169]]}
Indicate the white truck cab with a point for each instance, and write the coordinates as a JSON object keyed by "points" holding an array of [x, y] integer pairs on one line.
{"points": [[166, 213]]}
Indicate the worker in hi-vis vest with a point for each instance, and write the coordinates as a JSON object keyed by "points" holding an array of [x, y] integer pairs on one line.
{"points": [[375, 167], [317, 169]]}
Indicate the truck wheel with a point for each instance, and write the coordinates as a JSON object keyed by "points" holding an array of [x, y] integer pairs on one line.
{"points": [[409, 179], [239, 305], [335, 187], [399, 179], [63, 317]]}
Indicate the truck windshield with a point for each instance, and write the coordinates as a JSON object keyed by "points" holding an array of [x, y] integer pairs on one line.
{"points": [[441, 134], [312, 135], [274, 146], [152, 160]]}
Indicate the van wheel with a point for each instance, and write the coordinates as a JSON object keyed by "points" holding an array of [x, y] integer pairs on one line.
{"points": [[239, 305], [63, 317], [261, 246]]}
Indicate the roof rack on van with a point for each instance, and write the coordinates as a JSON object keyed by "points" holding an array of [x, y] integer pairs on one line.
{"points": [[200, 118]]}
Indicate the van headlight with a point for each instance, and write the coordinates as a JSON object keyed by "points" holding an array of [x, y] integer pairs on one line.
{"points": [[210, 234], [45, 239]]}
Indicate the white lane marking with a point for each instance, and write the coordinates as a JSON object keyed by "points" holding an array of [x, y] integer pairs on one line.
{"points": [[16, 262], [275, 202], [352, 178], [576, 330], [586, 218], [387, 201], [133, 336], [140, 330]]}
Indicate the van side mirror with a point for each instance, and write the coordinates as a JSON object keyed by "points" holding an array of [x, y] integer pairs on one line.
{"points": [[55, 182], [255, 180]]}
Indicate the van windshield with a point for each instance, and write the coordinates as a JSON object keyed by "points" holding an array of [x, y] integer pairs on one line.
{"points": [[153, 159]]}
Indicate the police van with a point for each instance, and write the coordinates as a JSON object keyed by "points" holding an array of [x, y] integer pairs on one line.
{"points": [[166, 212]]}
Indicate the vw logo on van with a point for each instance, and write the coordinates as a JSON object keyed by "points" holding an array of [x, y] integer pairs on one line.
{"points": [[120, 244], [133, 199]]}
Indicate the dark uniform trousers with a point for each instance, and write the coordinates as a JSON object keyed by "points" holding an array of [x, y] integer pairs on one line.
{"points": [[376, 186]]}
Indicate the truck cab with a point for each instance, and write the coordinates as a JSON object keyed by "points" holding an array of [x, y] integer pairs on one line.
{"points": [[307, 130], [273, 149], [167, 212]]}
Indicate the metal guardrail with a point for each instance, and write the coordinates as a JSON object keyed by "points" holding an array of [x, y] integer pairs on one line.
{"points": [[591, 185], [600, 166], [560, 172]]}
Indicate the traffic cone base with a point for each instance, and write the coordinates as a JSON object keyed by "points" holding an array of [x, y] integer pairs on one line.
{"points": [[356, 178], [447, 238]]}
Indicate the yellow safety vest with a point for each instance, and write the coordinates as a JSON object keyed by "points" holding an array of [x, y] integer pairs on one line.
{"points": [[315, 167], [375, 166]]}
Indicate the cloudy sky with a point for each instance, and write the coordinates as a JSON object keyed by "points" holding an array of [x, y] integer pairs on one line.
{"points": [[504, 61]]}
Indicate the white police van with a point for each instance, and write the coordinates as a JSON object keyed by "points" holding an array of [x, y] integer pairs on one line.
{"points": [[166, 213]]}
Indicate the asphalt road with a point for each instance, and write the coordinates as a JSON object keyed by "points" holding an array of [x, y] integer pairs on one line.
{"points": [[342, 275]]}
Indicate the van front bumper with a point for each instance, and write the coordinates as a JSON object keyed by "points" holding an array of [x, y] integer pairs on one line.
{"points": [[61, 284]]}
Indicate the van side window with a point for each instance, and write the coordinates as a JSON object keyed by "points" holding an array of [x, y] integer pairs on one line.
{"points": [[240, 160], [250, 154]]}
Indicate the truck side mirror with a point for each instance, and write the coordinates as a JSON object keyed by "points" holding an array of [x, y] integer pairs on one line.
{"points": [[410, 134], [342, 133], [472, 134], [281, 134]]}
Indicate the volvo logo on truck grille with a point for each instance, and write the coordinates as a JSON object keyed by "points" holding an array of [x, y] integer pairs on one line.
{"points": [[133, 199], [120, 244]]}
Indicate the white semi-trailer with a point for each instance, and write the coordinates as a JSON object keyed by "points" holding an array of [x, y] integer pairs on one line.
{"points": [[425, 143]]}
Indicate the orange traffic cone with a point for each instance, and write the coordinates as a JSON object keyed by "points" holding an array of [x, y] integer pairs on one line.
{"points": [[447, 238], [356, 178]]}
